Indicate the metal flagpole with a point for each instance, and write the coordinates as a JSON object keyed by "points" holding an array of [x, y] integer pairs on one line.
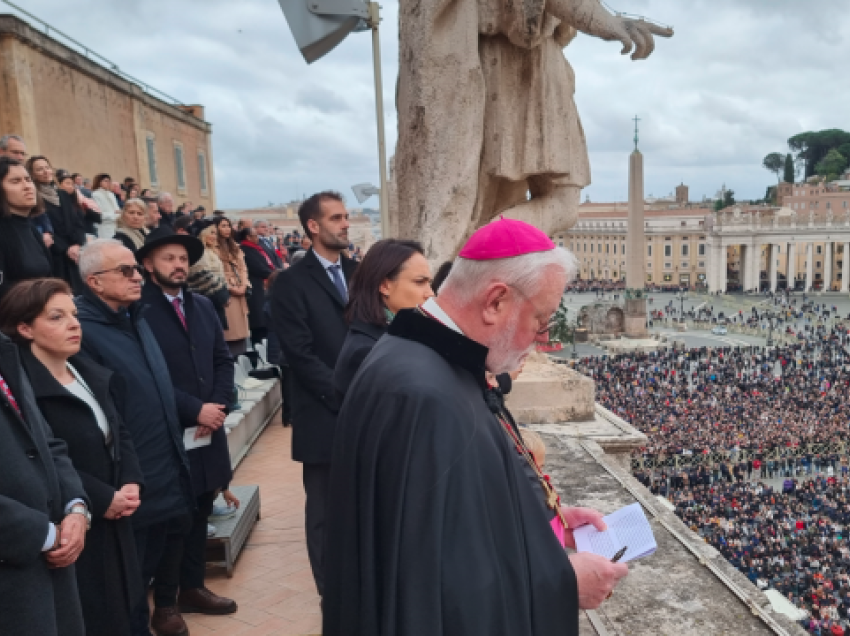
{"points": [[374, 21]]}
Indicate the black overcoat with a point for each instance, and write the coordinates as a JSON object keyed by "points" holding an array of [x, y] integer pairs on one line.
{"points": [[433, 525], [258, 271], [37, 480], [308, 318], [108, 574], [69, 229], [201, 370], [361, 337], [122, 342]]}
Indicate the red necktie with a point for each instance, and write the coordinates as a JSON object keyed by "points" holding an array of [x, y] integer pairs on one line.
{"points": [[8, 393], [179, 310]]}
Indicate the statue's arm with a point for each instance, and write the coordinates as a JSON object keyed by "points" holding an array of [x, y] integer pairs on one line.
{"points": [[589, 16]]}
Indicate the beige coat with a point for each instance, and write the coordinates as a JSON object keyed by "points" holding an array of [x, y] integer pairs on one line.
{"points": [[236, 311]]}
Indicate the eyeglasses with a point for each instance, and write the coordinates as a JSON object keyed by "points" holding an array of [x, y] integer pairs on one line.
{"points": [[127, 271], [550, 324]]}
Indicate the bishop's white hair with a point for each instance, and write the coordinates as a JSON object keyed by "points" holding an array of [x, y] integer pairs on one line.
{"points": [[467, 277]]}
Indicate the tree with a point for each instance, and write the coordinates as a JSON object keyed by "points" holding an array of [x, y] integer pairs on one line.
{"points": [[774, 163], [769, 195], [812, 147], [832, 165], [727, 201], [788, 177]]}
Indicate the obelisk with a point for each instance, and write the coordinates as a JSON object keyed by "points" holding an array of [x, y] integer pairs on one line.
{"points": [[635, 304]]}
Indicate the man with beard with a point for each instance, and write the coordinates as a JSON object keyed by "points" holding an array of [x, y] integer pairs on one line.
{"points": [[189, 334], [307, 303], [440, 521]]}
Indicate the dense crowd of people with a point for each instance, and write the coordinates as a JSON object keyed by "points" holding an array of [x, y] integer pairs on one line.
{"points": [[793, 540], [706, 400], [725, 423]]}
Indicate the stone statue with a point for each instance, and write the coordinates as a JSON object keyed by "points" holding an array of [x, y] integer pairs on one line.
{"points": [[487, 122]]}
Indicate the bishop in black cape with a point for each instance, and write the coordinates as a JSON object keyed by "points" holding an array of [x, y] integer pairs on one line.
{"points": [[434, 526]]}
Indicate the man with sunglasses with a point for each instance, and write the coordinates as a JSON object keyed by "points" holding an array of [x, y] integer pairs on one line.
{"points": [[116, 335]]}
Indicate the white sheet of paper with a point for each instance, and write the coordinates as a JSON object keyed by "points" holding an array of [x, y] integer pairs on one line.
{"points": [[190, 442], [626, 527]]}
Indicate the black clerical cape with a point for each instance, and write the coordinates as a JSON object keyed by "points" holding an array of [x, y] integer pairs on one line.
{"points": [[434, 527]]}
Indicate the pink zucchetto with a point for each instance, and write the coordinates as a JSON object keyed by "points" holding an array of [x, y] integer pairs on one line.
{"points": [[505, 238]]}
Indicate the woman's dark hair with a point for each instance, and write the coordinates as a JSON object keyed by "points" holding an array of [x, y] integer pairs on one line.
{"points": [[6, 164], [226, 245], [25, 301], [441, 276], [384, 261], [95, 184]]}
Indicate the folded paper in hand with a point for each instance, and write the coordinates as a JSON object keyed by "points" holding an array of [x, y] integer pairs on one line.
{"points": [[190, 442], [626, 527]]}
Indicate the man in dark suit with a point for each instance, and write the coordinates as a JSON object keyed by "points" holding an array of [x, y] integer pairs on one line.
{"points": [[189, 334], [264, 233], [42, 515], [307, 302]]}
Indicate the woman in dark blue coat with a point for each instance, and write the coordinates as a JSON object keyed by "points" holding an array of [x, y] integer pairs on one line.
{"points": [[393, 275], [73, 394]]}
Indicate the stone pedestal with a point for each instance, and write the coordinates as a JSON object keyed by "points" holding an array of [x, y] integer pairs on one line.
{"points": [[546, 392], [635, 318]]}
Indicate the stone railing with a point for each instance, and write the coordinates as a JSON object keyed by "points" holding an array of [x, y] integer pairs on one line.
{"points": [[767, 220]]}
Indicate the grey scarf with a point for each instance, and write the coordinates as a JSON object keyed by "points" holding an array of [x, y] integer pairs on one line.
{"points": [[48, 193]]}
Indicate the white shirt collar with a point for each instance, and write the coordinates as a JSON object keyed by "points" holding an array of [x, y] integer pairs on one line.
{"points": [[431, 307], [171, 298], [325, 262]]}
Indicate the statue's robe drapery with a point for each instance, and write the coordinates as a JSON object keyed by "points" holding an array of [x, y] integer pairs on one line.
{"points": [[484, 93], [531, 125]]}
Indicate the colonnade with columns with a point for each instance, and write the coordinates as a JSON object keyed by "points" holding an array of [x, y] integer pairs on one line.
{"points": [[751, 253]]}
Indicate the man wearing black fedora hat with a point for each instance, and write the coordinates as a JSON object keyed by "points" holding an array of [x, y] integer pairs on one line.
{"points": [[189, 333]]}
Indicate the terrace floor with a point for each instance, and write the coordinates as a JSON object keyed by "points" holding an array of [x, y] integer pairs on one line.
{"points": [[272, 581]]}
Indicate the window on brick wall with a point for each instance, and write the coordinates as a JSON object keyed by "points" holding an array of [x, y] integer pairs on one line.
{"points": [[179, 167], [202, 172], [150, 144]]}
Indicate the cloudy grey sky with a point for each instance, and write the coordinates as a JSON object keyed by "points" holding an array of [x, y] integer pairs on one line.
{"points": [[738, 79]]}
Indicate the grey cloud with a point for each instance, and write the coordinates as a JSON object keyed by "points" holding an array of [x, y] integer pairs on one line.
{"points": [[321, 99]]}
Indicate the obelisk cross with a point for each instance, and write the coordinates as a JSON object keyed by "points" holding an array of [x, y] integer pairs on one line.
{"points": [[637, 119]]}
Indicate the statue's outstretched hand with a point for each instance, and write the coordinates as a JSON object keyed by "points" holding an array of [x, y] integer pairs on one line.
{"points": [[634, 34], [643, 34]]}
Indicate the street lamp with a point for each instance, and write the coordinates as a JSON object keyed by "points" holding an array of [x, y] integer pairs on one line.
{"points": [[682, 297], [318, 26]]}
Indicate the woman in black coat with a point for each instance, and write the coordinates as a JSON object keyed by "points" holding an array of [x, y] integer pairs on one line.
{"points": [[73, 394], [393, 275], [260, 267], [69, 229], [23, 252]]}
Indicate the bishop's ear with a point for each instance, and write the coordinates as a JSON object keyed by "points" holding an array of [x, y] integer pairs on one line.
{"points": [[497, 302]]}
